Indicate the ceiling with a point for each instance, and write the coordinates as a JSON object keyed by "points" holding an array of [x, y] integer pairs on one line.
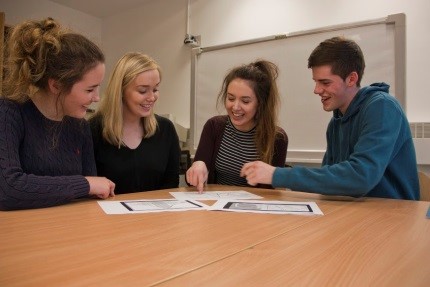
{"points": [[101, 8]]}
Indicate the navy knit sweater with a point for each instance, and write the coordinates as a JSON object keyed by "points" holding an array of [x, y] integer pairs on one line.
{"points": [[42, 162]]}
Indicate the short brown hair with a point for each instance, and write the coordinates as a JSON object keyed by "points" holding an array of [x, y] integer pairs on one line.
{"points": [[343, 55]]}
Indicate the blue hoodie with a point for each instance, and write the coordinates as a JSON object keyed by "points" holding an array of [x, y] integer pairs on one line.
{"points": [[370, 152]]}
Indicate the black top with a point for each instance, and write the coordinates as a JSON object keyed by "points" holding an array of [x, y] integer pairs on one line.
{"points": [[154, 164]]}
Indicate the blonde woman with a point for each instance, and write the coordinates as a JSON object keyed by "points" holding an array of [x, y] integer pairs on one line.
{"points": [[135, 148]]}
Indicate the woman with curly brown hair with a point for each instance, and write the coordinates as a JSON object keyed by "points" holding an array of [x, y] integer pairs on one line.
{"points": [[46, 152]]}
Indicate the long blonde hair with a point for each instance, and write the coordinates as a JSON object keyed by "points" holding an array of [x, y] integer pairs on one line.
{"points": [[111, 105]]}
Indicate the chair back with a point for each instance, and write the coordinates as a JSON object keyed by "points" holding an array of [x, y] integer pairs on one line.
{"points": [[424, 186]]}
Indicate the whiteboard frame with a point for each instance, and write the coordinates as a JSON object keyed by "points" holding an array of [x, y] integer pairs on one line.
{"points": [[313, 156]]}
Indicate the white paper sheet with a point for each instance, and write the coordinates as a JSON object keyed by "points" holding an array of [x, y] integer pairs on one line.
{"points": [[214, 195], [274, 207], [149, 205]]}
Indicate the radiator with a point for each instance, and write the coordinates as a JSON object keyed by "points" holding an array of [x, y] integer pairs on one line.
{"points": [[421, 136]]}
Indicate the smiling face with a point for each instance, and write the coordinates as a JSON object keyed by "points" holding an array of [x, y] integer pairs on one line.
{"points": [[84, 92], [241, 104], [141, 94], [335, 93]]}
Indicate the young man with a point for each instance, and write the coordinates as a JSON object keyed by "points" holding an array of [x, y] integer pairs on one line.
{"points": [[370, 151]]}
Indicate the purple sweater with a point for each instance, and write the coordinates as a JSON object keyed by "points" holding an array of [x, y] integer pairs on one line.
{"points": [[42, 162]]}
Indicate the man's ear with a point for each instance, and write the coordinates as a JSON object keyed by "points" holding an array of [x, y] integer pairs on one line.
{"points": [[352, 79], [54, 86]]}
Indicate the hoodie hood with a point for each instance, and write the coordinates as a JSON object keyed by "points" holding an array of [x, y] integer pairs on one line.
{"points": [[359, 98]]}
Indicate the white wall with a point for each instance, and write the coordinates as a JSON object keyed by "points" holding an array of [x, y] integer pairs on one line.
{"points": [[158, 29], [17, 11], [159, 26], [225, 21]]}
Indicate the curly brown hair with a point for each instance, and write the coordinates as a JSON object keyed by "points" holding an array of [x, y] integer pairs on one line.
{"points": [[42, 50]]}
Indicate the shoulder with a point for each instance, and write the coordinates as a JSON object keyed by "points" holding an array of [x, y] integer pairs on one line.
{"points": [[163, 121], [222, 119], [217, 121], [95, 121], [379, 101], [6, 104], [96, 126], [281, 134], [215, 125], [378, 93], [165, 128], [10, 110]]}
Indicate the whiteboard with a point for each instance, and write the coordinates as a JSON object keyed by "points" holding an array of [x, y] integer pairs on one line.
{"points": [[301, 114]]}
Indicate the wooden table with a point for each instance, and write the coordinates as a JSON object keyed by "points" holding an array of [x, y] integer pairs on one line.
{"points": [[358, 242]]}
